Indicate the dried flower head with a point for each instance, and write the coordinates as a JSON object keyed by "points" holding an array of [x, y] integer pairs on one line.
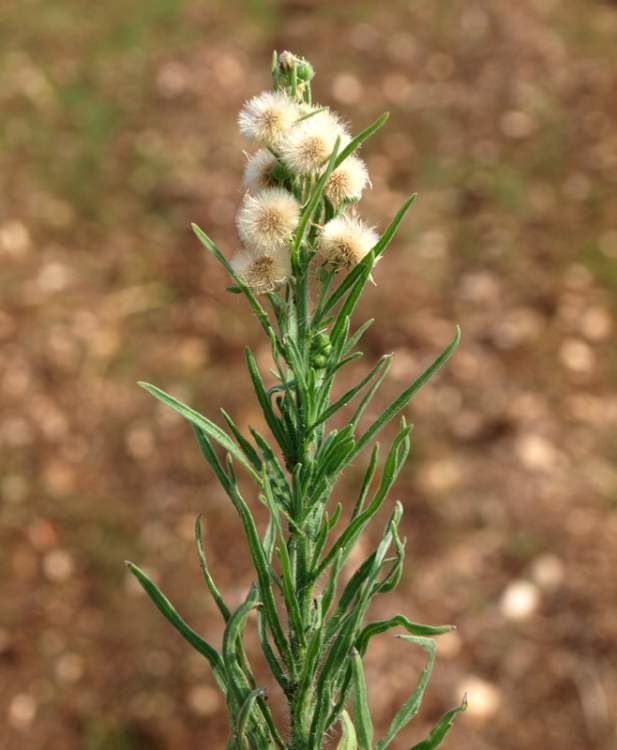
{"points": [[257, 171], [267, 118], [347, 181], [266, 220], [263, 272], [311, 141], [345, 240]]}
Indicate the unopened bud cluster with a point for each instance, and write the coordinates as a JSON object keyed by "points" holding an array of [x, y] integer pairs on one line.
{"points": [[296, 139]]}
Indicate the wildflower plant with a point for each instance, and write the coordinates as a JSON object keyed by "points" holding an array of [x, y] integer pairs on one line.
{"points": [[306, 259]]}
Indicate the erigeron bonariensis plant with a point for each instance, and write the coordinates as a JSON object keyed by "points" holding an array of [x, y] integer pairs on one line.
{"points": [[305, 260]]}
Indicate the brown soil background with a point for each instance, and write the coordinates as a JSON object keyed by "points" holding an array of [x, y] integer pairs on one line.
{"points": [[117, 129]]}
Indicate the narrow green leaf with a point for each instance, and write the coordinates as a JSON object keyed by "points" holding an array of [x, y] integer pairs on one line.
{"points": [[439, 732], [391, 469], [403, 399], [262, 568], [348, 739], [248, 449], [344, 316], [223, 609], [233, 632], [361, 712], [353, 340], [369, 260], [245, 710], [209, 427], [361, 137], [414, 628], [336, 670], [168, 611], [313, 202], [368, 396], [349, 394], [274, 423], [238, 670], [366, 482], [412, 705], [259, 311], [289, 593], [330, 588], [208, 452], [237, 678], [395, 573], [275, 667]]}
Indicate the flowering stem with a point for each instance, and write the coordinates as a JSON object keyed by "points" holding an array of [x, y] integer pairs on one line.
{"points": [[313, 641]]}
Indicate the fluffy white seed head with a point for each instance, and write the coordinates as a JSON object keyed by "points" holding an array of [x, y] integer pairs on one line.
{"points": [[345, 240], [257, 170], [266, 220], [311, 141], [347, 181], [263, 272], [268, 117]]}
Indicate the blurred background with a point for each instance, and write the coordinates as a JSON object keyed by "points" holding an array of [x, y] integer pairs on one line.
{"points": [[117, 129]]}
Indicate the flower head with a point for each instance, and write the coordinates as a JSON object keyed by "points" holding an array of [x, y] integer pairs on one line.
{"points": [[267, 220], [347, 181], [345, 240], [263, 272], [311, 141], [267, 118], [257, 171]]}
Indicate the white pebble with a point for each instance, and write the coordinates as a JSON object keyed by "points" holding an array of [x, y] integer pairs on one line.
{"points": [[204, 700], [547, 571], [22, 710], [58, 566], [520, 600], [483, 698]]}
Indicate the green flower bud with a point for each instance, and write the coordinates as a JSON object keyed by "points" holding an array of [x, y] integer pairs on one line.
{"points": [[318, 361]]}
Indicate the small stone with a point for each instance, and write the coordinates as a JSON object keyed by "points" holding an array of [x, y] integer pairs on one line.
{"points": [[58, 566], [14, 239], [69, 668], [54, 277], [204, 700], [139, 441], [483, 698], [22, 710], [517, 124], [441, 476], [596, 324], [520, 600], [577, 356], [548, 571], [536, 452]]}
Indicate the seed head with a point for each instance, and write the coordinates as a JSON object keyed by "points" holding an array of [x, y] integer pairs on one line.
{"points": [[263, 272], [257, 171], [347, 181], [266, 220], [311, 141], [345, 240], [267, 118]]}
